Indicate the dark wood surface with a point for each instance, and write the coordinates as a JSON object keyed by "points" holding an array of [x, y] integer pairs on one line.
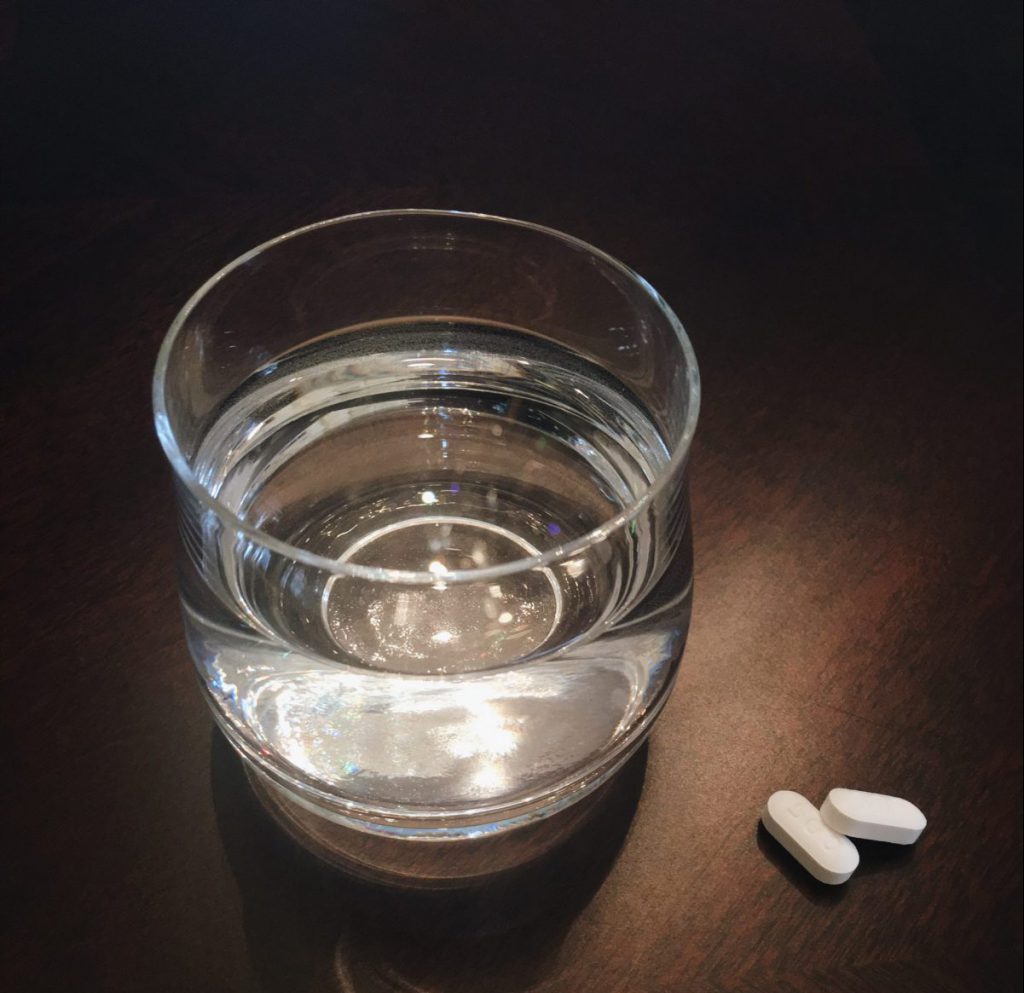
{"points": [[825, 192]]}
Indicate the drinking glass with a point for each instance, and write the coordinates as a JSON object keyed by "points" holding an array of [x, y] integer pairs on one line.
{"points": [[431, 473]]}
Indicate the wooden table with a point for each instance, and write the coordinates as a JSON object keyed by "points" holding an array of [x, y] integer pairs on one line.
{"points": [[856, 485]]}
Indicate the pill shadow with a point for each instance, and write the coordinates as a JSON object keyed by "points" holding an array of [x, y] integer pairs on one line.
{"points": [[304, 919], [817, 892], [877, 856]]}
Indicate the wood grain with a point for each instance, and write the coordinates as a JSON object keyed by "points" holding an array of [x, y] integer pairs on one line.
{"points": [[856, 488]]}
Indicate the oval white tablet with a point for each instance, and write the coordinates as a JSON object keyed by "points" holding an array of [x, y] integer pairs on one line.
{"points": [[795, 823], [873, 816]]}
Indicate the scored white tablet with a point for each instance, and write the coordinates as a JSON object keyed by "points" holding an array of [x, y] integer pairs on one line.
{"points": [[795, 823], [873, 816]]}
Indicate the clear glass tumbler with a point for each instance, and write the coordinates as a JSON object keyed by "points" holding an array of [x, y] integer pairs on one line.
{"points": [[436, 566]]}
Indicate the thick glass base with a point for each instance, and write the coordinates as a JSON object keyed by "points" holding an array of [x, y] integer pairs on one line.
{"points": [[433, 861], [425, 773]]}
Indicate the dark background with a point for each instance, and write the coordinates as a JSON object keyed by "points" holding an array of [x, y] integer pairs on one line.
{"points": [[828, 193]]}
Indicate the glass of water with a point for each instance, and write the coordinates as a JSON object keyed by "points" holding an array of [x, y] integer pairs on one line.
{"points": [[436, 560]]}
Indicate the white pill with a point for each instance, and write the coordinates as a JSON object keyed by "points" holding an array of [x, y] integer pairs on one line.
{"points": [[795, 823], [873, 816]]}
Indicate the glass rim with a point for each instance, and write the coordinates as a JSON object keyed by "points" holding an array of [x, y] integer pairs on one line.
{"points": [[566, 550]]}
